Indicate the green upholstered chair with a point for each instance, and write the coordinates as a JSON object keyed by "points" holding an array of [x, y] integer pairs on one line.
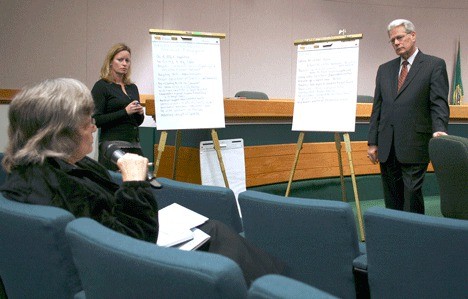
{"points": [[112, 265], [258, 95], [449, 155], [214, 202], [35, 259], [411, 255], [280, 287], [317, 239]]}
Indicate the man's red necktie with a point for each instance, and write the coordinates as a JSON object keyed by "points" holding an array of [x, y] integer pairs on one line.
{"points": [[403, 73]]}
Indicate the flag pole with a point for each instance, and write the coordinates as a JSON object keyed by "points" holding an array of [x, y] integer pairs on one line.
{"points": [[457, 85]]}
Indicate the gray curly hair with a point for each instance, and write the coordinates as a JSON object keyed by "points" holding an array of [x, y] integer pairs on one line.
{"points": [[44, 121]]}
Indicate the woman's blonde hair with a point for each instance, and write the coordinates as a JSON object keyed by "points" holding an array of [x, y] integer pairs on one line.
{"points": [[106, 66], [44, 120]]}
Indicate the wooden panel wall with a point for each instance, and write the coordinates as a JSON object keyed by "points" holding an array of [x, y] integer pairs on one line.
{"points": [[270, 164], [188, 164]]}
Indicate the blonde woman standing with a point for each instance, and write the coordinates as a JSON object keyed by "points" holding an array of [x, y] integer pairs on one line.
{"points": [[118, 112]]}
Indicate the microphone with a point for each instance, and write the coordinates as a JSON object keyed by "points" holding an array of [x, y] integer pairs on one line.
{"points": [[113, 153]]}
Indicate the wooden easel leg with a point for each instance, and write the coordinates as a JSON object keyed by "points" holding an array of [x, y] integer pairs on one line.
{"points": [[161, 146], [340, 164], [300, 141], [176, 153], [353, 178], [214, 136]]}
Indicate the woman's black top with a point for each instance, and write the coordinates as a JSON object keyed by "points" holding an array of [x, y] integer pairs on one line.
{"points": [[112, 118], [110, 115]]}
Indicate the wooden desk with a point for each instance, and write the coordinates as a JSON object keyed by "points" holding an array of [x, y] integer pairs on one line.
{"points": [[243, 110], [7, 94], [268, 164]]}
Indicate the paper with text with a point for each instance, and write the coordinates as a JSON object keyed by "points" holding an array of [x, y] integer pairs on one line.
{"points": [[232, 151], [188, 89], [326, 87]]}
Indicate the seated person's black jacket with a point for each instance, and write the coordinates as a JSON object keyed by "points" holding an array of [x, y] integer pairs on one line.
{"points": [[86, 190]]}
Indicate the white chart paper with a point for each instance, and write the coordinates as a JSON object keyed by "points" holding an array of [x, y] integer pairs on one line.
{"points": [[232, 151], [188, 87], [326, 87]]}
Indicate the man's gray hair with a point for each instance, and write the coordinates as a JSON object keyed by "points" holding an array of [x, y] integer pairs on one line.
{"points": [[408, 25]]}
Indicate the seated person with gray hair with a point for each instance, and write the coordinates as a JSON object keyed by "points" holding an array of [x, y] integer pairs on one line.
{"points": [[51, 132]]}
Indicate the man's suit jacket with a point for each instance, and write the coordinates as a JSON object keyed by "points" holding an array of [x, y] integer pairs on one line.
{"points": [[411, 115]]}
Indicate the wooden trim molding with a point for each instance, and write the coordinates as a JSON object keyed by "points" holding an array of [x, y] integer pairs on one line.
{"points": [[282, 110], [7, 94]]}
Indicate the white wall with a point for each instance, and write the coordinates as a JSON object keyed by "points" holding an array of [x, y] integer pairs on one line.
{"points": [[53, 38], [3, 127]]}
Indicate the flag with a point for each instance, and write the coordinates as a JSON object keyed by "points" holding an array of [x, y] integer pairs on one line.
{"points": [[457, 91]]}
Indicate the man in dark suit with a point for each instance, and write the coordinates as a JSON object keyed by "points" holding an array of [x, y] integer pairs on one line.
{"points": [[405, 117]]}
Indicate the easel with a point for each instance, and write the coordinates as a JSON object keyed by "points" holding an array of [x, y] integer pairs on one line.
{"points": [[162, 146], [163, 136], [336, 137]]}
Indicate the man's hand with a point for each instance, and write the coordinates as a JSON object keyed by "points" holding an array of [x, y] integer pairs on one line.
{"points": [[372, 154]]}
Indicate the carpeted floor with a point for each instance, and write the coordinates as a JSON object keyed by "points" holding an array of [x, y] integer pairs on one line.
{"points": [[431, 205]]}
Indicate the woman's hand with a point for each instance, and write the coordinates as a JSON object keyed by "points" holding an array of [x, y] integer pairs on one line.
{"points": [[438, 134], [133, 167], [134, 107]]}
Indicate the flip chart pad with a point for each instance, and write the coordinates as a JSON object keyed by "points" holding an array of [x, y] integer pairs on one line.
{"points": [[232, 151], [326, 87], [188, 88]]}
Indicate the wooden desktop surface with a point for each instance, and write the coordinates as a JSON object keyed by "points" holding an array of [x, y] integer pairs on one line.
{"points": [[282, 109]]}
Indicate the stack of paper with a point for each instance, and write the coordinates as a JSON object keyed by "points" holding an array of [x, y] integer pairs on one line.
{"points": [[173, 236], [177, 228], [199, 238]]}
